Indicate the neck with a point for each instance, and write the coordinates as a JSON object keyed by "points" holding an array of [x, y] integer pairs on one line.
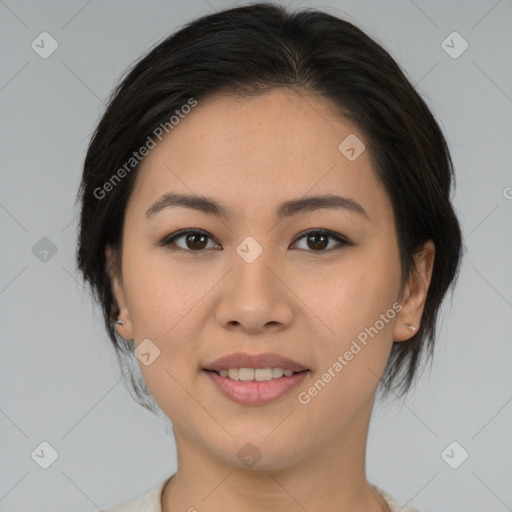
{"points": [[332, 478]]}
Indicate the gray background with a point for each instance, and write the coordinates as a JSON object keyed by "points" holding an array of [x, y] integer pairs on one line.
{"points": [[60, 381]]}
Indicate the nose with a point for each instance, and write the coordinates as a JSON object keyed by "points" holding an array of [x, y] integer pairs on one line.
{"points": [[254, 297]]}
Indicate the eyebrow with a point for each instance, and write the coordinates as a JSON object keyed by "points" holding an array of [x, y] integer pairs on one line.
{"points": [[287, 209]]}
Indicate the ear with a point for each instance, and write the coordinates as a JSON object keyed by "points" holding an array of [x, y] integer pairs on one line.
{"points": [[114, 272], [415, 293]]}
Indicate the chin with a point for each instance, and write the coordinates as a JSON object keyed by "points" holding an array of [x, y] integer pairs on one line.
{"points": [[259, 453]]}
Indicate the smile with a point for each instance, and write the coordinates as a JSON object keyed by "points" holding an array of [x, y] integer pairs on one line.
{"points": [[255, 386]]}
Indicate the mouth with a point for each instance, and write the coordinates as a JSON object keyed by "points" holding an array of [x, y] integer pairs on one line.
{"points": [[246, 363], [252, 392], [255, 379], [255, 374]]}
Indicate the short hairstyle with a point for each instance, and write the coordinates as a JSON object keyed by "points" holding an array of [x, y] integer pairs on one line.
{"points": [[248, 50]]}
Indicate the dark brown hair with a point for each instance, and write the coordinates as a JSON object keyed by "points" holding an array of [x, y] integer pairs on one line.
{"points": [[254, 48]]}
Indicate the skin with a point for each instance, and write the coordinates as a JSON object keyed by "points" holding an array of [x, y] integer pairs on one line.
{"points": [[251, 154]]}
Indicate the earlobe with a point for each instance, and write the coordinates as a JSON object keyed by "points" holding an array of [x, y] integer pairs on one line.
{"points": [[415, 295], [411, 327], [123, 324]]}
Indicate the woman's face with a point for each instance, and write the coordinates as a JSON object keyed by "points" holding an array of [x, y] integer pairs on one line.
{"points": [[254, 282]]}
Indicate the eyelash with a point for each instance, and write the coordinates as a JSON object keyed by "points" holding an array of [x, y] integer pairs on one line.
{"points": [[170, 239]]}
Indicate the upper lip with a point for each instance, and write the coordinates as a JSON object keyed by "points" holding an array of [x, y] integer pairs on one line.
{"points": [[245, 360]]}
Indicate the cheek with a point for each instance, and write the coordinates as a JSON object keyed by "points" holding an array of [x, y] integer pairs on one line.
{"points": [[162, 304], [355, 294], [159, 293], [358, 307], [165, 307]]}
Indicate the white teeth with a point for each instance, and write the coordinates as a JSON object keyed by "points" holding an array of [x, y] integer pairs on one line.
{"points": [[255, 374], [246, 374], [233, 373], [263, 374], [277, 372]]}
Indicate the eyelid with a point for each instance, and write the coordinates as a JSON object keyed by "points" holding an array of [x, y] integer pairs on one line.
{"points": [[331, 234], [170, 239]]}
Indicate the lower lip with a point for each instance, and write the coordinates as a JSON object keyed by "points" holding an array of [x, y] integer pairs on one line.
{"points": [[256, 392]]}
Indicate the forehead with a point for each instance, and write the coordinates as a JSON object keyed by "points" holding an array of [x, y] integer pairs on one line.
{"points": [[250, 150]]}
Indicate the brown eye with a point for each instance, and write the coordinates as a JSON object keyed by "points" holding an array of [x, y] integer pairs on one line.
{"points": [[197, 241], [318, 240], [193, 240]]}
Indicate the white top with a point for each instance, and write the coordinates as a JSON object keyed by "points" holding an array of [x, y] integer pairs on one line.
{"points": [[151, 501]]}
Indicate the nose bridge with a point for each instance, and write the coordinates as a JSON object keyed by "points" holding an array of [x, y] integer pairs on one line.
{"points": [[253, 296], [252, 274]]}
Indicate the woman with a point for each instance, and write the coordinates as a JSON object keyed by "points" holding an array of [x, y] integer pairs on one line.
{"points": [[266, 223]]}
